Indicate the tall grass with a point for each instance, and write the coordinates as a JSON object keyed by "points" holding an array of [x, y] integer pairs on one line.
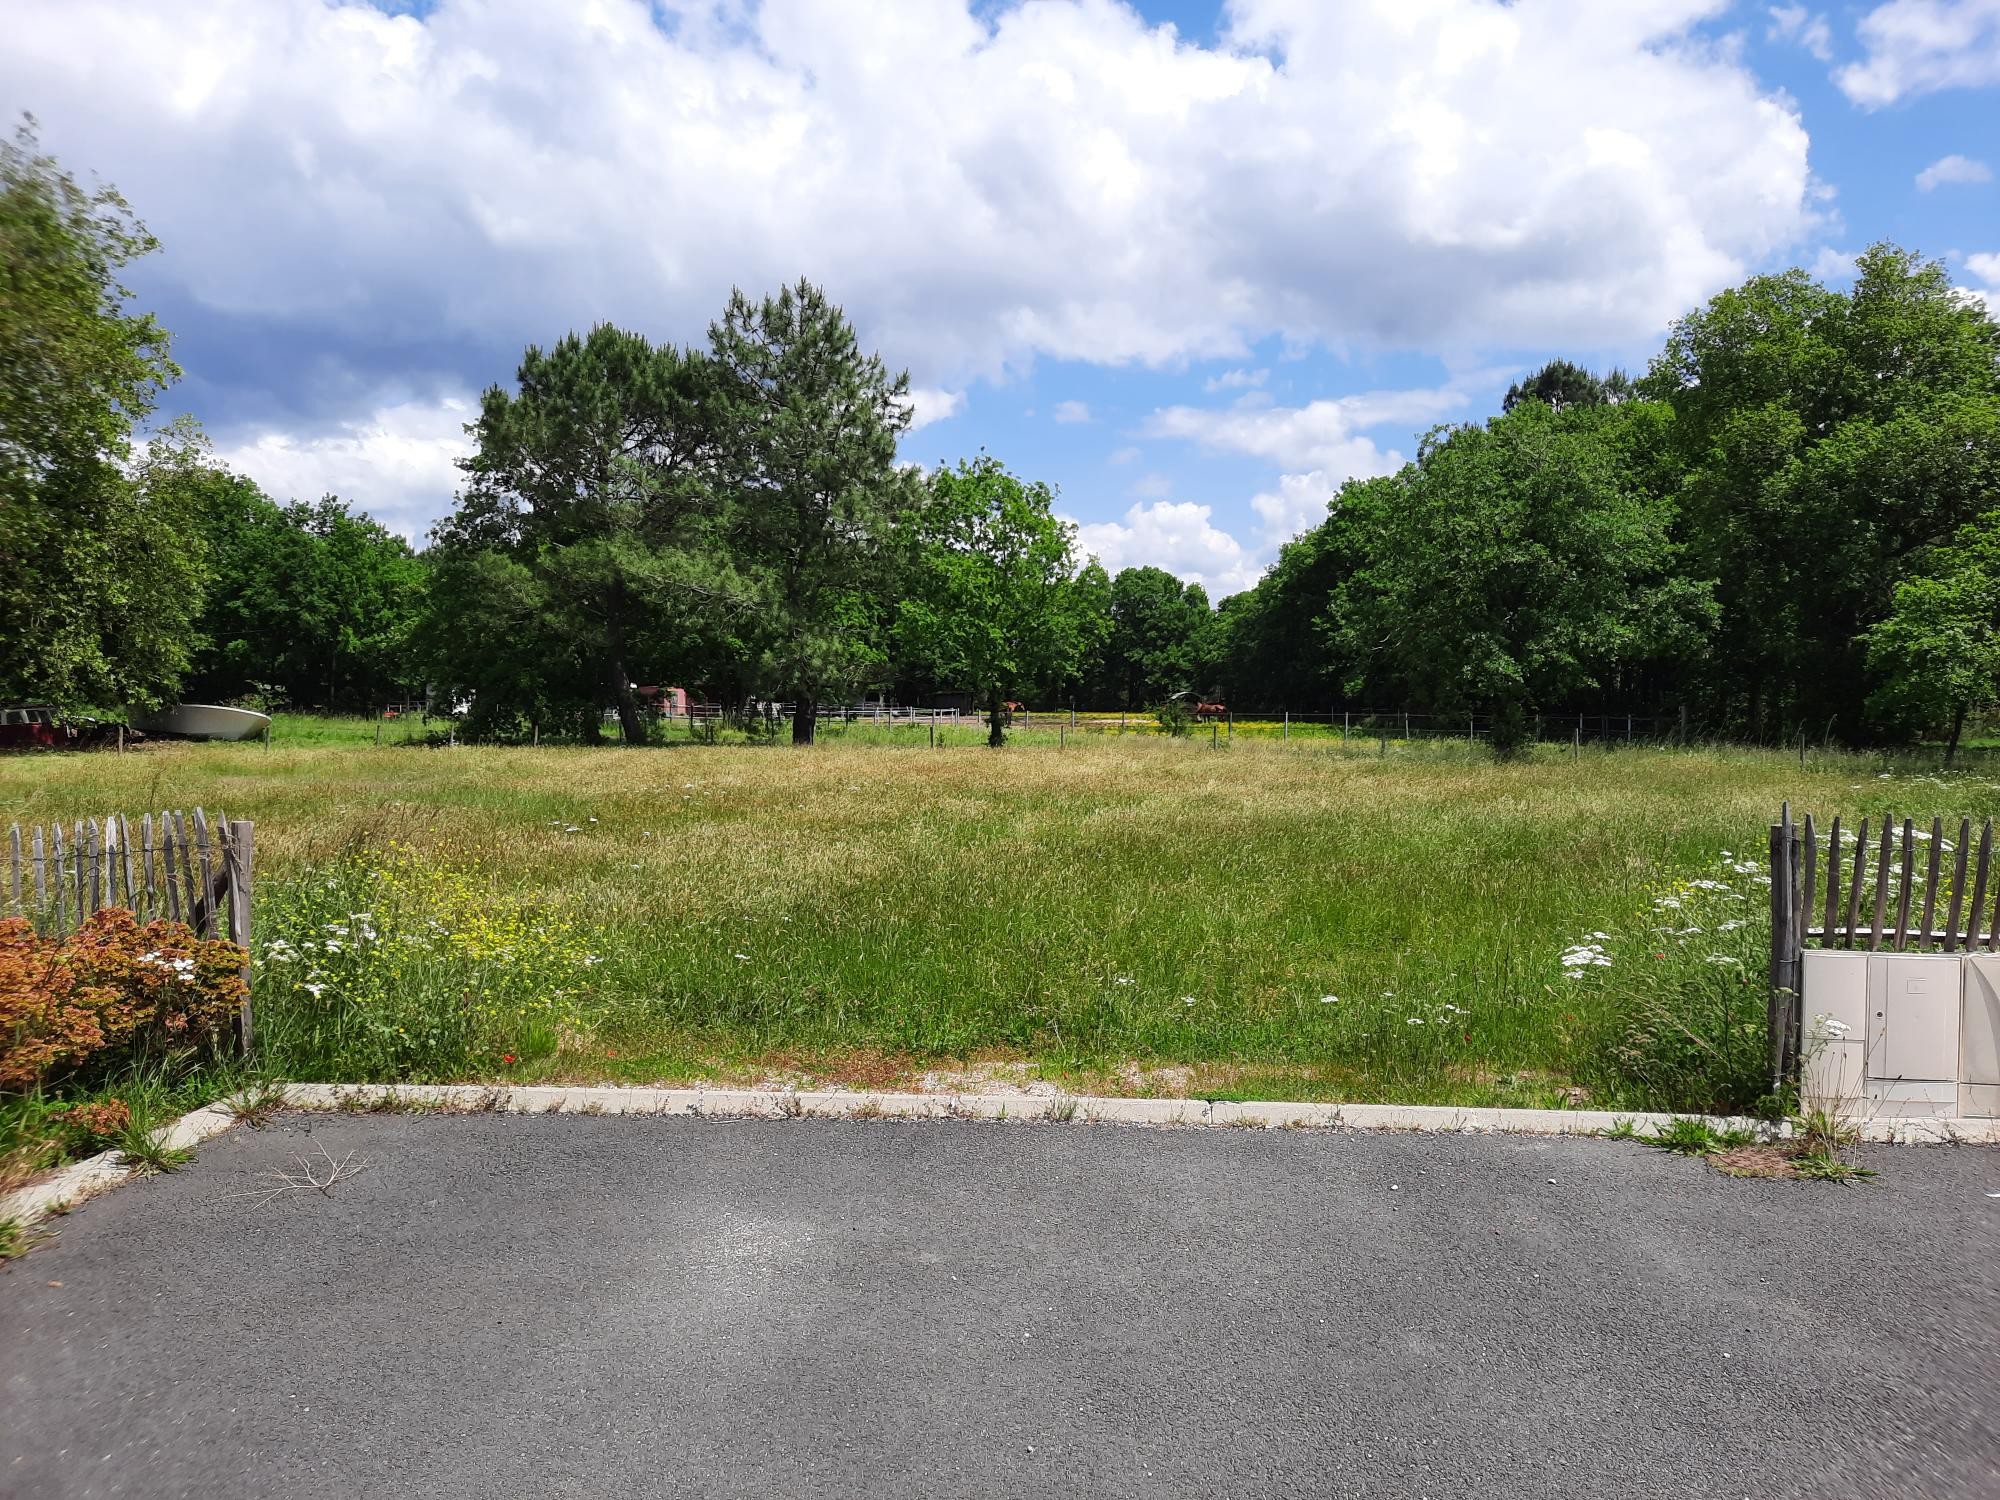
{"points": [[1267, 917]]}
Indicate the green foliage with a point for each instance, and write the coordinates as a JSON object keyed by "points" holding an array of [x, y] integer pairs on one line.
{"points": [[577, 564], [1682, 982], [1823, 442], [990, 603], [1560, 384], [405, 964], [102, 568], [310, 605], [807, 474], [1936, 655], [1160, 641], [1175, 717], [1519, 564]]}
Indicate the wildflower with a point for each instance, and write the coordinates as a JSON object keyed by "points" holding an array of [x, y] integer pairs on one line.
{"points": [[506, 1057], [1187, 999], [1122, 979], [315, 990], [1329, 999]]}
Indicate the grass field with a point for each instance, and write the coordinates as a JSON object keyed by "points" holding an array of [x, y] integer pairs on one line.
{"points": [[1130, 914]]}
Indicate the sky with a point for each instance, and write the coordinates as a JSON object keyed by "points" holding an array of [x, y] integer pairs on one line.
{"points": [[1193, 264]]}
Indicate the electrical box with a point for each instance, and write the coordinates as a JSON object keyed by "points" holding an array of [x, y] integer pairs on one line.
{"points": [[1902, 1035], [1913, 1010]]}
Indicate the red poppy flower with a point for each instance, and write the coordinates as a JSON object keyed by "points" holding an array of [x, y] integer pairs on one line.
{"points": [[506, 1057]]}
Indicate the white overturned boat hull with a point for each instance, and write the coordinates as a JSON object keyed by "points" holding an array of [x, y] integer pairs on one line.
{"points": [[207, 721]]}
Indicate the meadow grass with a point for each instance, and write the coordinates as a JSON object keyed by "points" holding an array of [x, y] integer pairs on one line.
{"points": [[1130, 913]]}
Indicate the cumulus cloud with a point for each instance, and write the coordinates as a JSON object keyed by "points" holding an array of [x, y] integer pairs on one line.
{"points": [[398, 463], [980, 186], [1985, 268], [1177, 536], [1072, 411], [929, 404], [1802, 28], [1921, 46], [1321, 435], [1953, 169]]}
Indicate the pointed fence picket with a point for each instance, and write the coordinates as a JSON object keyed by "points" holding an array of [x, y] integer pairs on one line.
{"points": [[186, 867]]}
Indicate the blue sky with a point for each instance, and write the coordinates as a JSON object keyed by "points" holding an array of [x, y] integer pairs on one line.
{"points": [[1195, 264]]}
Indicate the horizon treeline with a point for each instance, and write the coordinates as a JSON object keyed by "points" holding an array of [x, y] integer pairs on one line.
{"points": [[1788, 523]]}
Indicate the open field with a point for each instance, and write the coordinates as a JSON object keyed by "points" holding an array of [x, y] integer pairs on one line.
{"points": [[1129, 914]]}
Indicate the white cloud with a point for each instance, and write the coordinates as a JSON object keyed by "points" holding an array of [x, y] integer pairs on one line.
{"points": [[1796, 24], [1071, 411], [398, 463], [1121, 455], [929, 404], [1830, 264], [1985, 266], [1177, 536], [1321, 435], [1298, 504], [979, 187], [1236, 380], [1920, 46], [1953, 169]]}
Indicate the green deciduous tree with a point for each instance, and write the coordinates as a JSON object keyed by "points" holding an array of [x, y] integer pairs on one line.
{"points": [[1160, 642], [99, 570], [1518, 563], [311, 603], [1824, 442], [580, 555], [815, 500], [1936, 655], [991, 602]]}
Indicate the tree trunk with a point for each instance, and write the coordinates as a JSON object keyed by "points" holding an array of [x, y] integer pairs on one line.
{"points": [[1957, 727], [805, 718], [630, 724], [996, 730]]}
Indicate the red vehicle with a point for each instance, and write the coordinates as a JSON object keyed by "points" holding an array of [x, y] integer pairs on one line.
{"points": [[39, 727], [33, 728]]}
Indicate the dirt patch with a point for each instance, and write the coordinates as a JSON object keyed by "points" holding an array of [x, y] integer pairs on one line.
{"points": [[988, 1078], [1169, 1082], [1773, 1160]]}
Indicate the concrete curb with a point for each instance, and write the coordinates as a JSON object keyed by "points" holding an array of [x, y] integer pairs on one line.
{"points": [[86, 1179], [723, 1103]]}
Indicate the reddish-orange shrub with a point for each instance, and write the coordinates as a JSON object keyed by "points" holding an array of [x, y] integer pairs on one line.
{"points": [[111, 987], [95, 1124]]}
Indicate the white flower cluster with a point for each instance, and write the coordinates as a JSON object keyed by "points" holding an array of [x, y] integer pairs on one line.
{"points": [[1580, 956]]}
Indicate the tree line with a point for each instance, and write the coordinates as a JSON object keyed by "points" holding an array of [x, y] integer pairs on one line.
{"points": [[1789, 523]]}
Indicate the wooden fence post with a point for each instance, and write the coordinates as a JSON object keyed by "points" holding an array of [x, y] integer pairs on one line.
{"points": [[238, 856], [1784, 980]]}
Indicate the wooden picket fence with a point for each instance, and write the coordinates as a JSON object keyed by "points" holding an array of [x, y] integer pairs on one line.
{"points": [[1814, 876], [180, 867]]}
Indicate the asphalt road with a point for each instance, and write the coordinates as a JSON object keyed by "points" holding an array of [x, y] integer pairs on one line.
{"points": [[503, 1306]]}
